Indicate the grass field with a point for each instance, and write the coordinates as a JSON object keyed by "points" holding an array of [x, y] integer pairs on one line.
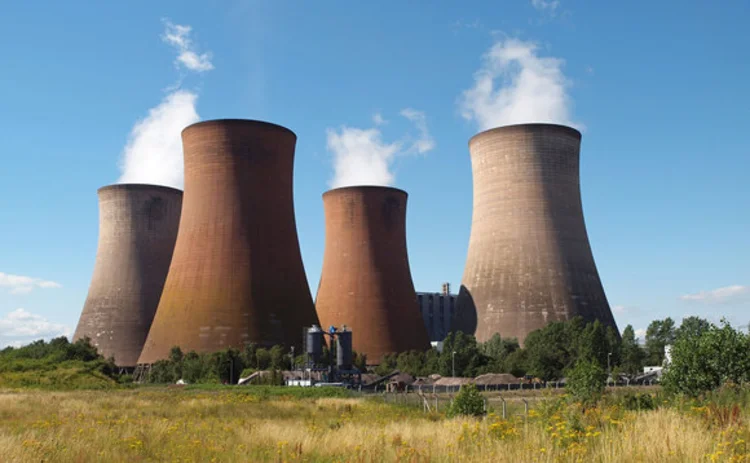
{"points": [[272, 424]]}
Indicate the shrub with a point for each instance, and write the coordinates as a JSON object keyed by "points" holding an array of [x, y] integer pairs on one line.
{"points": [[586, 381], [468, 402]]}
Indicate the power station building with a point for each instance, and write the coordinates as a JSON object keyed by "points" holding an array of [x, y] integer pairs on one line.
{"points": [[529, 261], [237, 275], [437, 312], [366, 281], [137, 232]]}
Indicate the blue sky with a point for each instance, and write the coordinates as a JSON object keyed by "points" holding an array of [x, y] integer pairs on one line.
{"points": [[660, 90]]}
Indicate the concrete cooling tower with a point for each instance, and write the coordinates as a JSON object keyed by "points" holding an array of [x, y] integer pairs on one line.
{"points": [[137, 232], [529, 261], [236, 275], [366, 281]]}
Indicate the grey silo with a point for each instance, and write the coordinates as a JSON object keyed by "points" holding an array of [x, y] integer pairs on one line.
{"points": [[529, 261], [137, 231]]}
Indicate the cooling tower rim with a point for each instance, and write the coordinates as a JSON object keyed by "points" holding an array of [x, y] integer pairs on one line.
{"points": [[137, 187], [239, 122], [564, 128], [364, 188]]}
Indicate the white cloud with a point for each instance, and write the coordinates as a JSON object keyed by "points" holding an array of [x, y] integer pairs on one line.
{"points": [[640, 335], [179, 37], [545, 6], [719, 295], [619, 309], [153, 153], [531, 88], [361, 157], [18, 284], [21, 326], [425, 142], [377, 119]]}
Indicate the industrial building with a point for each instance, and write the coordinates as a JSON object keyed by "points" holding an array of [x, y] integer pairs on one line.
{"points": [[237, 275], [366, 281], [137, 232], [437, 312], [529, 261]]}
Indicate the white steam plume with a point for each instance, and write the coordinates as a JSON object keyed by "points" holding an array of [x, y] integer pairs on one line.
{"points": [[532, 88], [361, 157], [153, 153]]}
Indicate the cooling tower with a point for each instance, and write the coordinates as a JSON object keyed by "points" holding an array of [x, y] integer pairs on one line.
{"points": [[137, 232], [529, 261], [366, 281], [236, 276]]}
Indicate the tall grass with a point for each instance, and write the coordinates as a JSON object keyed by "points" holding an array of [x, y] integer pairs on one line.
{"points": [[157, 424]]}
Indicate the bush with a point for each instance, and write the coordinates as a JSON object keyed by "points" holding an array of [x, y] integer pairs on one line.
{"points": [[636, 401], [586, 381], [468, 402]]}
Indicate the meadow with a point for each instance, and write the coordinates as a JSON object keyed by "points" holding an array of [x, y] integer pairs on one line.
{"points": [[233, 424]]}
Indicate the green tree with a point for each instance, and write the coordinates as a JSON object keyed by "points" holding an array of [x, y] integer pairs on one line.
{"points": [[660, 333], [586, 381], [632, 354], [468, 360], [705, 361], [387, 364], [279, 361], [593, 344], [262, 358], [692, 326], [553, 349], [497, 351], [468, 402]]}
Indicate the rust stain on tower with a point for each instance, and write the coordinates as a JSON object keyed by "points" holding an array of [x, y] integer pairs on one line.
{"points": [[236, 275], [137, 232], [366, 282], [529, 261]]}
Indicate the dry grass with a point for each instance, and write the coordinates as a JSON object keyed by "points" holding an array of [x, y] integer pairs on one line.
{"points": [[161, 425]]}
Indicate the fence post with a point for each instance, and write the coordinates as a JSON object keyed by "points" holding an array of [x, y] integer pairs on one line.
{"points": [[505, 410], [526, 408]]}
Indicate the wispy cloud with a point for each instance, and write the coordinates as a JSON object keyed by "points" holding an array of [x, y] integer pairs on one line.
{"points": [[515, 85], [377, 119], [153, 153], [719, 295], [18, 284], [362, 157], [179, 37], [640, 335], [424, 142], [545, 6], [21, 326]]}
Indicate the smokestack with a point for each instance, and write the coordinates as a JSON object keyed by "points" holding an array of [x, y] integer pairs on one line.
{"points": [[529, 261], [366, 282], [137, 232], [237, 275]]}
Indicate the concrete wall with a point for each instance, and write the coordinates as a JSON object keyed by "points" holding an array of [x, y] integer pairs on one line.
{"points": [[237, 275], [366, 281], [529, 261], [137, 232]]}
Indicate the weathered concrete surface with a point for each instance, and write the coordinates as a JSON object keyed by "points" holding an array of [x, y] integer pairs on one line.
{"points": [[237, 275], [366, 281], [529, 260], [137, 232]]}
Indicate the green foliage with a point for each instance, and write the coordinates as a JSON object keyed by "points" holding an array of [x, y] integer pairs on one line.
{"points": [[468, 359], [57, 364], [468, 402], [586, 380], [660, 333], [637, 401], [632, 355], [704, 360]]}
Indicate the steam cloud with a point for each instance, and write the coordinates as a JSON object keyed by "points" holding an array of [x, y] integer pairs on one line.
{"points": [[153, 153], [361, 157], [532, 88]]}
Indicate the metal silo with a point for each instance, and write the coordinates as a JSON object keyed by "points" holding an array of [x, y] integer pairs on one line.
{"points": [[137, 232], [366, 282], [237, 275], [529, 260]]}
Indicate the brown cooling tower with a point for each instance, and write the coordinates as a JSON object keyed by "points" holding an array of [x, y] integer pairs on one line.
{"points": [[237, 274], [137, 232], [529, 261], [366, 281]]}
